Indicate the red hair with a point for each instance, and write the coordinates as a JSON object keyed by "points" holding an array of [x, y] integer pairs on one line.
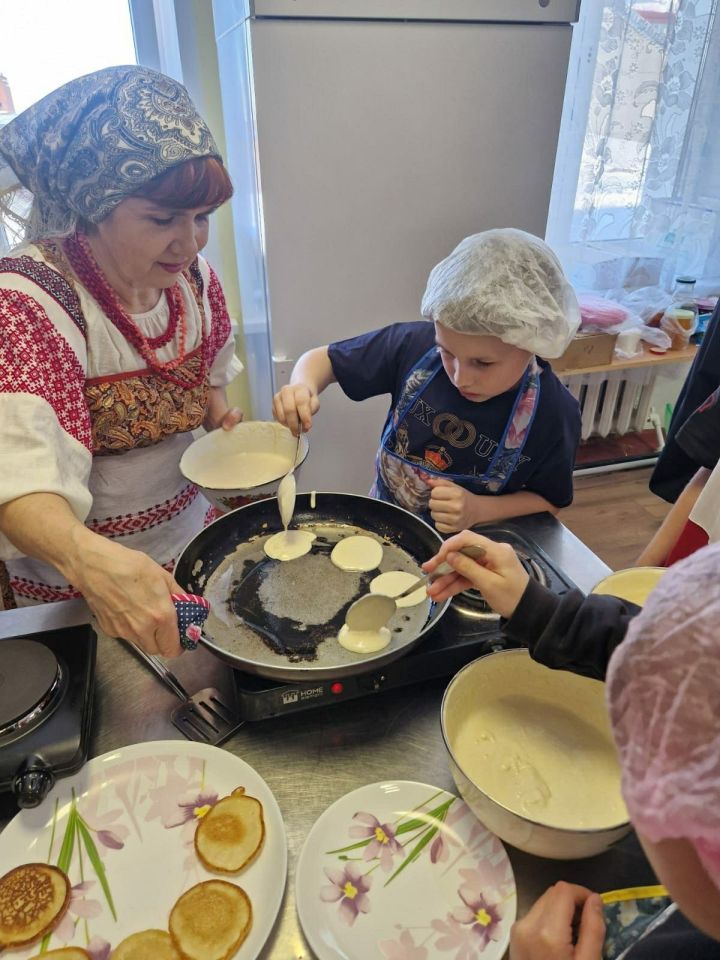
{"points": [[201, 182]]}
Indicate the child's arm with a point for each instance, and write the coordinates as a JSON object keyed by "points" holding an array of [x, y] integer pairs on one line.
{"points": [[453, 508], [657, 550], [296, 404]]}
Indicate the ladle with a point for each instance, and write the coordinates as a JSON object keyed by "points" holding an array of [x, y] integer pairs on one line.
{"points": [[373, 610]]}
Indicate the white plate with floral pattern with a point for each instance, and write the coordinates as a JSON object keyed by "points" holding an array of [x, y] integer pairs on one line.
{"points": [[404, 871], [123, 829]]}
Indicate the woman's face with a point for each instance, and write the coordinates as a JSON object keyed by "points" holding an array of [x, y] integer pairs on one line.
{"points": [[145, 245], [479, 367]]}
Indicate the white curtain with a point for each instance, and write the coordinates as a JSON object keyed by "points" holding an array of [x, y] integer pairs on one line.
{"points": [[636, 198]]}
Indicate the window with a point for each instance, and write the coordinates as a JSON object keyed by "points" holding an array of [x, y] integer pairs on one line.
{"points": [[45, 43], [636, 198]]}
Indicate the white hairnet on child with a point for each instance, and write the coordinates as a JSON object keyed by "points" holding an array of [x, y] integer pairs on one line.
{"points": [[663, 691], [506, 284]]}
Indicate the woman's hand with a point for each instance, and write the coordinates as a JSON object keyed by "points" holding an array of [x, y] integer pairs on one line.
{"points": [[295, 405], [547, 932], [218, 414], [128, 593], [498, 575], [451, 506]]}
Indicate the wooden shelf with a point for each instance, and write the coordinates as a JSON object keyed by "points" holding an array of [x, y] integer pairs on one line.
{"points": [[648, 359]]}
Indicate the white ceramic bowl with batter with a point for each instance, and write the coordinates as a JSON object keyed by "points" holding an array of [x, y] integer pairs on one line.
{"points": [[532, 755], [242, 465]]}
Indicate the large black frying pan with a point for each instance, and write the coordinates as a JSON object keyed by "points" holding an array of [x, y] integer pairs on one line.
{"points": [[281, 620]]}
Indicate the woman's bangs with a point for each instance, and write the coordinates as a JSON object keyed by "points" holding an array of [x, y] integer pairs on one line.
{"points": [[202, 182]]}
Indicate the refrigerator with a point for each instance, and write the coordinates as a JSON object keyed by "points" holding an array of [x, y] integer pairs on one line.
{"points": [[366, 139]]}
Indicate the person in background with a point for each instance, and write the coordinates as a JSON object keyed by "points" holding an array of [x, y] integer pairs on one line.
{"points": [[479, 428], [115, 344], [680, 457], [693, 519], [663, 691]]}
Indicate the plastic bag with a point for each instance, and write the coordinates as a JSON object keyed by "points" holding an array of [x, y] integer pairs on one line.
{"points": [[601, 314]]}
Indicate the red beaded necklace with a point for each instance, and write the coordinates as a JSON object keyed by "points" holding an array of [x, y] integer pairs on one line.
{"points": [[79, 253]]}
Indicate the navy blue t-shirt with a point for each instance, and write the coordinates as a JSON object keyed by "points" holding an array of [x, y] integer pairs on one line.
{"points": [[448, 432]]}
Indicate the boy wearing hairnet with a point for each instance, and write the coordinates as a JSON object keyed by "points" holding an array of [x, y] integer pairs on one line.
{"points": [[479, 428]]}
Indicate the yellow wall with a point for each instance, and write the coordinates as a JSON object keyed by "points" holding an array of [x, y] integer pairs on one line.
{"points": [[200, 74]]}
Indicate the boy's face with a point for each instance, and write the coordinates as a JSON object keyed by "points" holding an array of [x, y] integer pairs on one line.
{"points": [[479, 366]]}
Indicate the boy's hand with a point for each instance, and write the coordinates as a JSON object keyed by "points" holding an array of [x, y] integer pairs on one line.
{"points": [[548, 931], [295, 405], [499, 575], [450, 505]]}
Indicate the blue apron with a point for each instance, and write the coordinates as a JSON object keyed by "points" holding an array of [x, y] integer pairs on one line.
{"points": [[401, 480]]}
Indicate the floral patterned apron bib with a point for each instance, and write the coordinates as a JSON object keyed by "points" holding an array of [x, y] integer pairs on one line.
{"points": [[403, 481]]}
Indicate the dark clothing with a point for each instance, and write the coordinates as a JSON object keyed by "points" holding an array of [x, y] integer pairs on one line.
{"points": [[676, 939], [572, 632], [579, 633], [675, 465], [445, 431], [699, 436]]}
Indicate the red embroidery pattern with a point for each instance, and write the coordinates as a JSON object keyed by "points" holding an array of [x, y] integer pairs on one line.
{"points": [[220, 319], [50, 281], [35, 359], [151, 517], [31, 590]]}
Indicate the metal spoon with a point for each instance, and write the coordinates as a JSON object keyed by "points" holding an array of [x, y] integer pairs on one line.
{"points": [[373, 610]]}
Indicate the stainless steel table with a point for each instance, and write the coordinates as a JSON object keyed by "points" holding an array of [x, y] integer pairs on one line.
{"points": [[313, 758]]}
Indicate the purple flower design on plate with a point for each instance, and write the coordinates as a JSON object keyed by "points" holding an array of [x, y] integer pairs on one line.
{"points": [[190, 808], [350, 887], [383, 845], [458, 937], [110, 833], [98, 949], [79, 908], [404, 948], [440, 847], [483, 917]]}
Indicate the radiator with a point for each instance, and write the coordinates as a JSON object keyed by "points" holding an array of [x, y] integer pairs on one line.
{"points": [[612, 401]]}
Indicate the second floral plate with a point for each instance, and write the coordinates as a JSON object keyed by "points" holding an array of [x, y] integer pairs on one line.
{"points": [[404, 871]]}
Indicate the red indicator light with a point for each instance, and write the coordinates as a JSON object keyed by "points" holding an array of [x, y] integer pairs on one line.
{"points": [[336, 688]]}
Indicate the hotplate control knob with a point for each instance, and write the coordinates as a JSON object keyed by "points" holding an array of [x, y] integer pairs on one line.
{"points": [[32, 782]]}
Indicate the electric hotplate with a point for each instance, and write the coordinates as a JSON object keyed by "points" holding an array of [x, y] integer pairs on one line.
{"points": [[467, 630], [46, 695]]}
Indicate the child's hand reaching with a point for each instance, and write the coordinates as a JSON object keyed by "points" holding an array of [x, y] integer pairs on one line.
{"points": [[499, 575], [294, 406], [566, 923]]}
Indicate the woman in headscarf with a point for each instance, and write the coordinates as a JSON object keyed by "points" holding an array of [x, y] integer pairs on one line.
{"points": [[663, 693], [115, 343]]}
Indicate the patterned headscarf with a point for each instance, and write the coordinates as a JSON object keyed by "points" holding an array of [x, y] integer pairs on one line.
{"points": [[93, 142], [663, 691]]}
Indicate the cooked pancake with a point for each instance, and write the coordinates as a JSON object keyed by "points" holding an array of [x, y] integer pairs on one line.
{"points": [[65, 953], [146, 945], [33, 898], [210, 920], [231, 834]]}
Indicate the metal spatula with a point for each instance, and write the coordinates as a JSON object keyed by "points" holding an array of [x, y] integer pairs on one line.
{"points": [[372, 611], [205, 716]]}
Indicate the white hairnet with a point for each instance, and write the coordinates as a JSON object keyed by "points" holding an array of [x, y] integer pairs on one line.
{"points": [[506, 284], [663, 692]]}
